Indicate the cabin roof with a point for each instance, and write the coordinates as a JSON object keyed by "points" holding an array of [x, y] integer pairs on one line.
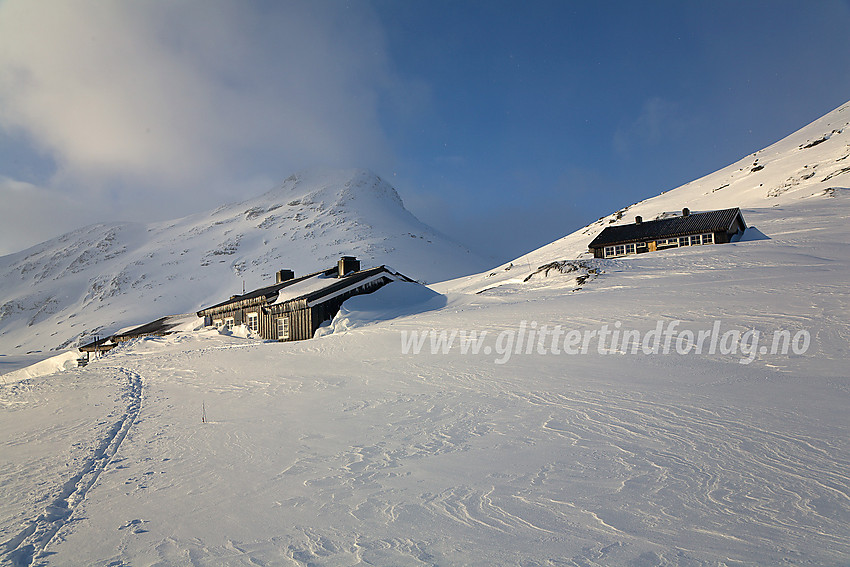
{"points": [[268, 292], [694, 223], [320, 286], [159, 327], [309, 288]]}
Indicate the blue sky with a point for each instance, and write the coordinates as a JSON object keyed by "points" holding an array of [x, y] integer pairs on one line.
{"points": [[504, 124]]}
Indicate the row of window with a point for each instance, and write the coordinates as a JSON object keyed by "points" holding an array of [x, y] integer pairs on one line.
{"points": [[253, 324], [226, 323], [634, 248]]}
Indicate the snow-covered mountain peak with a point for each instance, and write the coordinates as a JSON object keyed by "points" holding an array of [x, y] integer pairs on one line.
{"points": [[102, 277], [335, 188]]}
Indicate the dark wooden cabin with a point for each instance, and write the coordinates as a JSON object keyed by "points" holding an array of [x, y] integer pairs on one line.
{"points": [[293, 308], [689, 229], [247, 308]]}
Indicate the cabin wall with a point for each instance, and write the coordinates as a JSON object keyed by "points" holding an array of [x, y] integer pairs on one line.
{"points": [[666, 243], [303, 322], [736, 228], [300, 324], [268, 327], [240, 316]]}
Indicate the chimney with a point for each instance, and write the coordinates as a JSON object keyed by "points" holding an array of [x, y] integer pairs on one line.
{"points": [[686, 211], [638, 219], [283, 276], [346, 265]]}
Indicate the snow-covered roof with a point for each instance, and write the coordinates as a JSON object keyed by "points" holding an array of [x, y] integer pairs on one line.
{"points": [[312, 287], [261, 295], [305, 287], [322, 286]]}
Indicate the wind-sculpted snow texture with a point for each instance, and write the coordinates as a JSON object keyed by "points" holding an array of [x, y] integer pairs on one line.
{"points": [[345, 450]]}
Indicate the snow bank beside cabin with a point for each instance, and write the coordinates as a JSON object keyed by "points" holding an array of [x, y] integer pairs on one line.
{"points": [[52, 365], [396, 299]]}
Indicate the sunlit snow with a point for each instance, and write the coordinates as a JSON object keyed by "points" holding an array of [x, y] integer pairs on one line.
{"points": [[206, 449]]}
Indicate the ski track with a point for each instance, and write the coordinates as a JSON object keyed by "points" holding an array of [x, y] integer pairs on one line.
{"points": [[30, 546]]}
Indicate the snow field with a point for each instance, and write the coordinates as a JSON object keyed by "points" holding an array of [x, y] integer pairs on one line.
{"points": [[343, 451], [82, 427], [434, 463]]}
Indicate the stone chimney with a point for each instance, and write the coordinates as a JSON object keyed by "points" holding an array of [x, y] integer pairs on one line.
{"points": [[638, 219], [686, 211]]}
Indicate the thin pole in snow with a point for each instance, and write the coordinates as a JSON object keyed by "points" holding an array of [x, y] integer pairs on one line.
{"points": [[203, 412]]}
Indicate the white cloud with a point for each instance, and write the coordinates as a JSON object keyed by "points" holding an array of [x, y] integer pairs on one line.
{"points": [[136, 102], [30, 214]]}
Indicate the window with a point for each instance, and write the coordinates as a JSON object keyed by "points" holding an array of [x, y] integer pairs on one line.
{"points": [[708, 238], [228, 323], [684, 241], [218, 323], [623, 249], [254, 322], [282, 328]]}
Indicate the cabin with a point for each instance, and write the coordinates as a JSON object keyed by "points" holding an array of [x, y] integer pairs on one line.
{"points": [[159, 328], [292, 309], [689, 229]]}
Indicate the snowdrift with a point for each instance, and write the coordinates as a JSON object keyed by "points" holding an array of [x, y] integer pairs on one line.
{"points": [[394, 300]]}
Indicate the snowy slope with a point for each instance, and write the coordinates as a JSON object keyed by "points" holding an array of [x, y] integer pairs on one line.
{"points": [[108, 276], [347, 450], [813, 162]]}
